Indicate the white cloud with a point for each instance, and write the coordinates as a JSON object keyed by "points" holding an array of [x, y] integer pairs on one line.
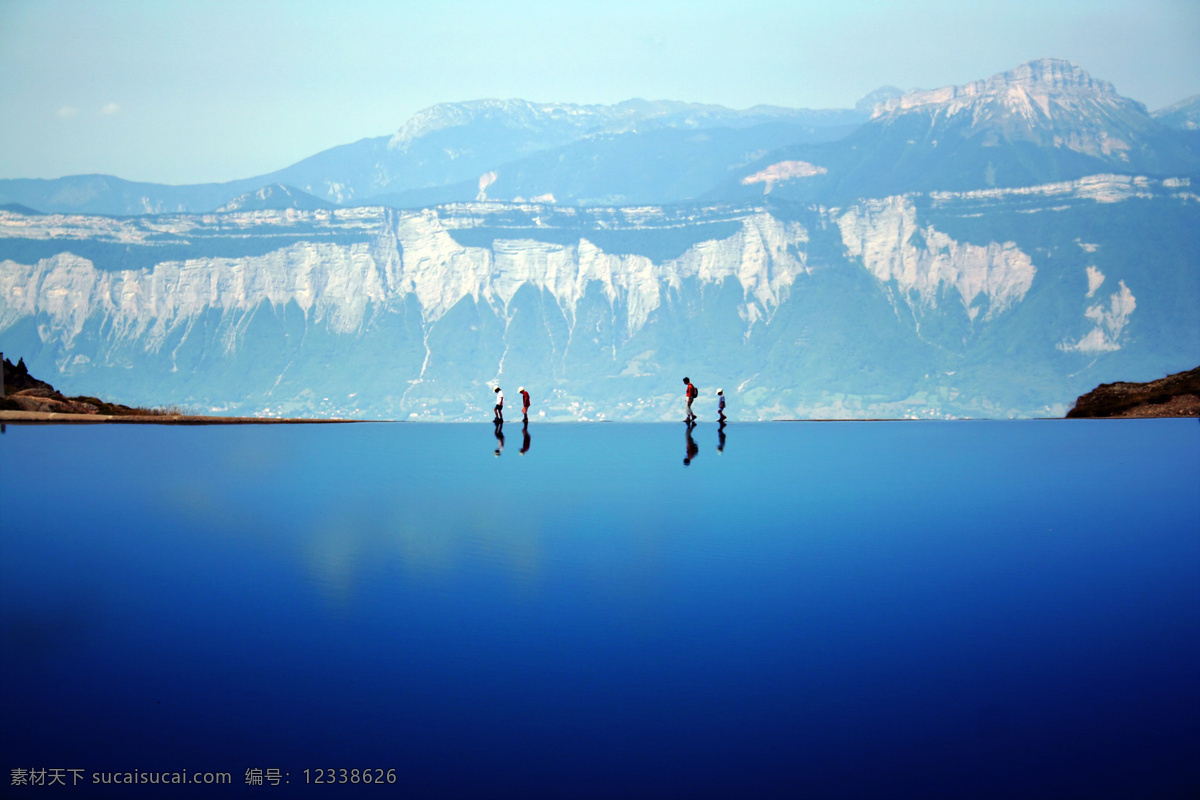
{"points": [[111, 108], [67, 111]]}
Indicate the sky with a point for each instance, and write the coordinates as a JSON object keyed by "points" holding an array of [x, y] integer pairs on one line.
{"points": [[196, 91]]}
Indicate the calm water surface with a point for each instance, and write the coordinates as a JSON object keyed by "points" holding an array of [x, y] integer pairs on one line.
{"points": [[853, 610]]}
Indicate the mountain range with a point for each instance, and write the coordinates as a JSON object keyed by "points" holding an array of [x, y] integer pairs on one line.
{"points": [[443, 151], [987, 250]]}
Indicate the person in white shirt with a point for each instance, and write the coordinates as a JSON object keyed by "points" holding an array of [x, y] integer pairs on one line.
{"points": [[499, 410]]}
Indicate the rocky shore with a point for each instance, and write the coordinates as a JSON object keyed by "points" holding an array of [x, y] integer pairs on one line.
{"points": [[1176, 395], [29, 400]]}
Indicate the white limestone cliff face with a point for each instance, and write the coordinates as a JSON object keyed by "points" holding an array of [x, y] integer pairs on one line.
{"points": [[922, 261], [143, 230], [1109, 320], [333, 285], [336, 284], [1103, 188], [762, 256], [783, 171]]}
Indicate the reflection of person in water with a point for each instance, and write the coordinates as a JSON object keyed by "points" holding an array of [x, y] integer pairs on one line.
{"points": [[721, 437], [692, 447], [499, 438], [525, 435]]}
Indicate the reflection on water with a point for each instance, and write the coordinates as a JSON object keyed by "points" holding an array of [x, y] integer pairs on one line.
{"points": [[499, 425], [693, 449], [972, 609]]}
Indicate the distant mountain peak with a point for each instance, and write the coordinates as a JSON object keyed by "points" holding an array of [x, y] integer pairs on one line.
{"points": [[513, 113], [880, 95], [548, 125], [1049, 103], [1184, 115], [1050, 74], [1034, 84], [274, 196]]}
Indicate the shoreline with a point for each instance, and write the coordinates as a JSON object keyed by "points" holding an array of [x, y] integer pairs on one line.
{"points": [[8, 417], [55, 417]]}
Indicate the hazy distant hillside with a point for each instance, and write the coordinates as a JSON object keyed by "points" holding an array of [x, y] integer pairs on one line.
{"points": [[439, 147], [1184, 115], [1044, 121], [661, 166], [275, 196], [105, 194]]}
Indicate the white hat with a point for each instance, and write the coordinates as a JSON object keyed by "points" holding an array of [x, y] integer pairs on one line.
{"points": [[520, 388], [719, 391]]}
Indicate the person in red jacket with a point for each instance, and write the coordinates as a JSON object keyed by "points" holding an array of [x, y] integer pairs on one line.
{"points": [[691, 393], [524, 403]]}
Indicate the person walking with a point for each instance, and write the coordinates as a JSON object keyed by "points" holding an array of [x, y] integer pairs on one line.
{"points": [[721, 405], [691, 393], [499, 409], [524, 403]]}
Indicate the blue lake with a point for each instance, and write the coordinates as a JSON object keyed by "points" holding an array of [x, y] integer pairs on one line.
{"points": [[828, 610]]}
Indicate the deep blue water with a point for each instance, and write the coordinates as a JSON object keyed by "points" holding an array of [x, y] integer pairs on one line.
{"points": [[828, 610]]}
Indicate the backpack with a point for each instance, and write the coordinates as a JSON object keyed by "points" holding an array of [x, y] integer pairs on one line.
{"points": [[693, 392]]}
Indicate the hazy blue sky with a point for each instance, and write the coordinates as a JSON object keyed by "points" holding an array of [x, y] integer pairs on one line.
{"points": [[183, 92]]}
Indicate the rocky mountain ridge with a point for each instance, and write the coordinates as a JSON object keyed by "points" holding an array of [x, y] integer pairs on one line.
{"points": [[1033, 85], [1044, 121], [1184, 115], [272, 196], [563, 122], [1048, 102], [443, 145]]}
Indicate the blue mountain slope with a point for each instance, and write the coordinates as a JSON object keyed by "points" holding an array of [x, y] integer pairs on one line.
{"points": [[661, 166], [1042, 122], [439, 147]]}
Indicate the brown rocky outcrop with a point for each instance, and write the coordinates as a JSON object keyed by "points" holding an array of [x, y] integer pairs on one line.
{"points": [[23, 392], [30, 401], [17, 378], [1176, 395]]}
